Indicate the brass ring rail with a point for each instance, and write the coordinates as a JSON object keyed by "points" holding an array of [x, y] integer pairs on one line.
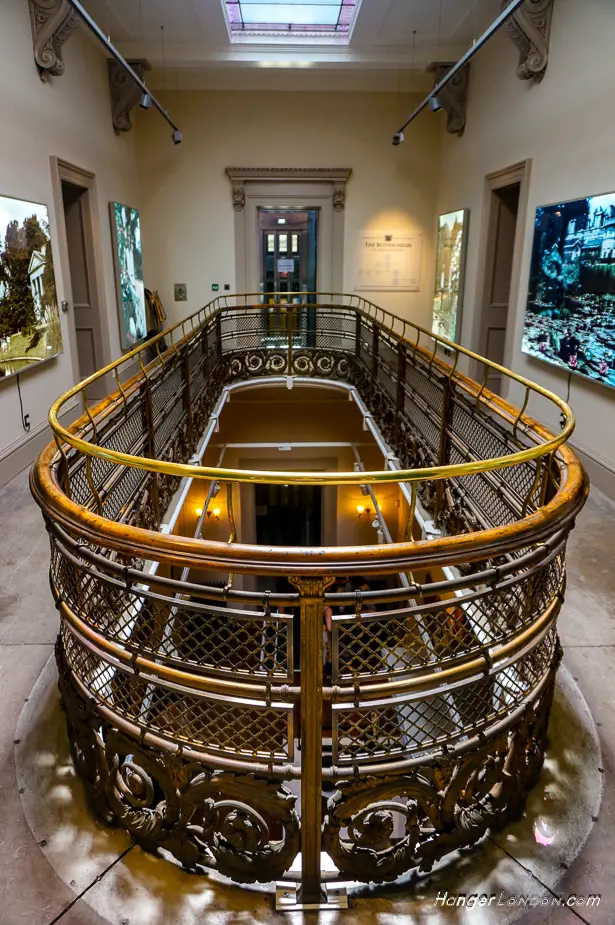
{"points": [[241, 682], [129, 577], [438, 683], [428, 682], [150, 464], [422, 678], [288, 771], [538, 527]]}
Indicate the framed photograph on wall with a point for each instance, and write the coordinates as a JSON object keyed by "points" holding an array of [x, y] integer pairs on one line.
{"points": [[128, 257], [450, 266], [570, 312], [30, 330]]}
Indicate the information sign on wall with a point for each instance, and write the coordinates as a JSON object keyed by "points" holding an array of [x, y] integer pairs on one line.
{"points": [[388, 261]]}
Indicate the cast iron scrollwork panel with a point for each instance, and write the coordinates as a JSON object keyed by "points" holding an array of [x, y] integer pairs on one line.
{"points": [[444, 805], [245, 827]]}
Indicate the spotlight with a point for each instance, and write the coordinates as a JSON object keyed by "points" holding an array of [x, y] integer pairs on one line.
{"points": [[146, 101], [177, 137], [398, 137], [434, 104]]}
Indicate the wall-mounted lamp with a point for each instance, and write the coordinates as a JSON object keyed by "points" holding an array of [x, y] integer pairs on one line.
{"points": [[214, 512], [363, 511]]}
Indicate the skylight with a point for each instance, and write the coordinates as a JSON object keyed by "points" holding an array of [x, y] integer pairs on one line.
{"points": [[326, 19]]}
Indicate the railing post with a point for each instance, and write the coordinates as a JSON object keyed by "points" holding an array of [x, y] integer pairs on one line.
{"points": [[401, 394], [444, 443], [150, 445], [186, 397], [289, 329], [311, 591], [219, 334], [357, 346], [375, 343]]}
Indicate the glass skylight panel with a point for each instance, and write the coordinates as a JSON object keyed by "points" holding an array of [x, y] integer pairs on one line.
{"points": [[331, 18]]}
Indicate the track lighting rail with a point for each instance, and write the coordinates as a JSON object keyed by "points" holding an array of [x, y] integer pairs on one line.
{"points": [[497, 24], [108, 44]]}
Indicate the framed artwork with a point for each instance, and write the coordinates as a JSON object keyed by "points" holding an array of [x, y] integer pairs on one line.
{"points": [[30, 330], [450, 266], [126, 230], [570, 312]]}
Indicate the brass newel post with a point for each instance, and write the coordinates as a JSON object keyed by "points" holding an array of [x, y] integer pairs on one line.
{"points": [[311, 591]]}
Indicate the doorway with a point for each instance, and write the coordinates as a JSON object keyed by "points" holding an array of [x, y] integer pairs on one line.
{"points": [[288, 515], [84, 302], [79, 236], [504, 215], [289, 252], [506, 195], [288, 264]]}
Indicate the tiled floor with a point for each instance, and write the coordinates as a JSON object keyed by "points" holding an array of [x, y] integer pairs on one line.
{"points": [[30, 892]]}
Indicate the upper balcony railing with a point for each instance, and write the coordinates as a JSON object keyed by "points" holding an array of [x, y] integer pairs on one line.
{"points": [[436, 692]]}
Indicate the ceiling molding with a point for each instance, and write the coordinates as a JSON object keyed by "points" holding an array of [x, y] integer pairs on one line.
{"points": [[337, 176]]}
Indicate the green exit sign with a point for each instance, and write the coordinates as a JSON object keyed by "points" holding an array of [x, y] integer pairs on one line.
{"points": [[214, 287]]}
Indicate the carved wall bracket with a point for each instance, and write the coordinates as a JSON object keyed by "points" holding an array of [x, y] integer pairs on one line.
{"points": [[338, 176], [125, 93], [530, 29], [52, 22], [454, 97]]}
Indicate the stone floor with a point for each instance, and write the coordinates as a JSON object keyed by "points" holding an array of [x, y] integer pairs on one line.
{"points": [[30, 891]]}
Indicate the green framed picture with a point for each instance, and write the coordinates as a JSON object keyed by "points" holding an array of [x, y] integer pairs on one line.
{"points": [[450, 265], [128, 256]]}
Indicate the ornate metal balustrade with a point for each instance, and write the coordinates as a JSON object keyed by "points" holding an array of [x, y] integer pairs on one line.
{"points": [[186, 716]]}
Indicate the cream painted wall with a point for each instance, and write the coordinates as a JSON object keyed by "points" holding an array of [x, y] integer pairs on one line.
{"points": [[69, 117], [187, 211], [565, 126]]}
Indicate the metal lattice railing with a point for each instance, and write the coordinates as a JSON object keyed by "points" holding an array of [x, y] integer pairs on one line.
{"points": [[203, 675]]}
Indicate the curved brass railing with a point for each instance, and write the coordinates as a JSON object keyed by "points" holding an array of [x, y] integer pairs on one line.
{"points": [[440, 681], [332, 478]]}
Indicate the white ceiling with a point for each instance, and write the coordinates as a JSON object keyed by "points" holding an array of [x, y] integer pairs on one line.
{"points": [[198, 51]]}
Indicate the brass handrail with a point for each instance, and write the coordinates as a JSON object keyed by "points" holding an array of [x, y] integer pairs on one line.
{"points": [[553, 442]]}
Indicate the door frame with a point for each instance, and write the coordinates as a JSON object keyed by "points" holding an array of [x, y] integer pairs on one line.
{"points": [[255, 188], [62, 170], [516, 173]]}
